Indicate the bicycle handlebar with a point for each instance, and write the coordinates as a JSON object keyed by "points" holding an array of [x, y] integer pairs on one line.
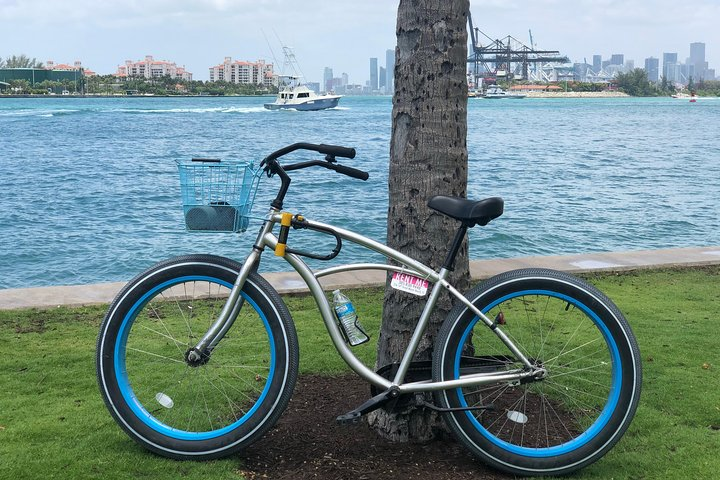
{"points": [[332, 150], [337, 151], [351, 172], [273, 167]]}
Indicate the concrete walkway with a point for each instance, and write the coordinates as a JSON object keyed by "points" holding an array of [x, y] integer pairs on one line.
{"points": [[290, 282]]}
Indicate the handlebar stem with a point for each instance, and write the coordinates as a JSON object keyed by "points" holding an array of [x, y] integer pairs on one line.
{"points": [[275, 168]]}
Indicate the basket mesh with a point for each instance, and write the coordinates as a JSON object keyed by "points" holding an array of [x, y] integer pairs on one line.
{"points": [[217, 196]]}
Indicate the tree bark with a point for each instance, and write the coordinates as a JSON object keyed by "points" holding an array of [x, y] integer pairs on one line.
{"points": [[428, 156]]}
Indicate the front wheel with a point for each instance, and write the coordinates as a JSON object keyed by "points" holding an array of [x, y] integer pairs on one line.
{"points": [[178, 406], [556, 424]]}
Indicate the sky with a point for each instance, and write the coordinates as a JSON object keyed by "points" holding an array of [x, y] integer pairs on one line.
{"points": [[340, 34]]}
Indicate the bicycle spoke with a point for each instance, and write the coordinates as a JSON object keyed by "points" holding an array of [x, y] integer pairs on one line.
{"points": [[156, 355]]}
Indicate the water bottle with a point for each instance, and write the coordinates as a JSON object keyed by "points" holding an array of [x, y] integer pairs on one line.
{"points": [[347, 318]]}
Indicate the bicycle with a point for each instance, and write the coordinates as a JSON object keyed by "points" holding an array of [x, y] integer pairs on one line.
{"points": [[197, 357]]}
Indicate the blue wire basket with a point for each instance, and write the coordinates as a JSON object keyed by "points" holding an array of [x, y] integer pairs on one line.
{"points": [[217, 196]]}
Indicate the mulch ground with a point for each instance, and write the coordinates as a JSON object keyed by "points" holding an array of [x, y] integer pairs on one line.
{"points": [[307, 443]]}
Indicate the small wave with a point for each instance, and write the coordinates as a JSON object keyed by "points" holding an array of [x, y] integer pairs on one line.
{"points": [[246, 110], [37, 113], [190, 110]]}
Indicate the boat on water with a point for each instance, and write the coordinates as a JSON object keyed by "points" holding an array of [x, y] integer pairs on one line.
{"points": [[685, 96], [297, 96], [494, 92], [294, 94]]}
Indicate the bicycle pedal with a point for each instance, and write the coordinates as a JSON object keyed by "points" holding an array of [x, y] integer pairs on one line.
{"points": [[350, 418], [355, 415]]}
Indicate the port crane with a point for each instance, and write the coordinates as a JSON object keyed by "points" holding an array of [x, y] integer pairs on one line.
{"points": [[507, 57]]}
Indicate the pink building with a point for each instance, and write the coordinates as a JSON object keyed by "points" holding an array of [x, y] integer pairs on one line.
{"points": [[151, 68], [51, 65], [257, 73]]}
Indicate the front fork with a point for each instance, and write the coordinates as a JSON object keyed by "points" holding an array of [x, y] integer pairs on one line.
{"points": [[200, 353]]}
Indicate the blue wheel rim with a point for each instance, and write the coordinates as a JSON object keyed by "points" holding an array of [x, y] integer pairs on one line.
{"points": [[606, 412], [124, 383]]}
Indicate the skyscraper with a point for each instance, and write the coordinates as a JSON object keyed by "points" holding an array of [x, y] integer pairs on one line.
{"points": [[617, 59], [327, 79], [373, 74], [697, 58], [670, 67], [382, 79], [652, 69], [390, 71], [597, 64]]}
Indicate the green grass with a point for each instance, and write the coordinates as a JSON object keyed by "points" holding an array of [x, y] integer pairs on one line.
{"points": [[53, 423]]}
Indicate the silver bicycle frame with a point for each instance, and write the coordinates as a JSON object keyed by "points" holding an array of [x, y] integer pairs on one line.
{"points": [[407, 265]]}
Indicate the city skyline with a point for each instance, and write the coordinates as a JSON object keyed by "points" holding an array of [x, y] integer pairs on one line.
{"points": [[196, 33]]}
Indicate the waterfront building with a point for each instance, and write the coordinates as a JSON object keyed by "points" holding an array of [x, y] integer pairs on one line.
{"points": [[687, 71], [390, 71], [327, 79], [652, 69], [697, 59], [670, 67], [597, 64], [246, 73], [64, 67], [373, 74], [617, 59], [34, 76], [151, 68], [382, 79], [335, 84]]}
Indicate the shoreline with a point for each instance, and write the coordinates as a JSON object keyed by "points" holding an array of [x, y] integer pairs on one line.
{"points": [[528, 94], [291, 283], [29, 95], [580, 95]]}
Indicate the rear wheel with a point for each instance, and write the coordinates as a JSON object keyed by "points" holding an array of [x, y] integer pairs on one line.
{"points": [[184, 408], [562, 422]]}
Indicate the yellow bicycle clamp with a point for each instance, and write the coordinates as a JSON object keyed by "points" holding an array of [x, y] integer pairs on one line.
{"points": [[285, 223]]}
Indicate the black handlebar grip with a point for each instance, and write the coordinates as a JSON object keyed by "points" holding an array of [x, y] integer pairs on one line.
{"points": [[351, 172], [336, 151]]}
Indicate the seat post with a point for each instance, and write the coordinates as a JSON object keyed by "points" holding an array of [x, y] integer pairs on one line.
{"points": [[455, 248]]}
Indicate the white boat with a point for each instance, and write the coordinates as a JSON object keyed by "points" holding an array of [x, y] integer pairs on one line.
{"points": [[294, 94], [297, 96], [494, 91]]}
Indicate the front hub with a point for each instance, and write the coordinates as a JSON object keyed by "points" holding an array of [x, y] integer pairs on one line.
{"points": [[195, 358]]}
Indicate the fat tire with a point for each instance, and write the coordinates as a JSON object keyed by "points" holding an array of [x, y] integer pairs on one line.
{"points": [[455, 330], [278, 389]]}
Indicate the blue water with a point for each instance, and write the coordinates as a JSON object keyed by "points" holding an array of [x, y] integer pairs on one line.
{"points": [[89, 188]]}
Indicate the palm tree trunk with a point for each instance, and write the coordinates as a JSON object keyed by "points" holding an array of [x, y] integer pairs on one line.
{"points": [[428, 156]]}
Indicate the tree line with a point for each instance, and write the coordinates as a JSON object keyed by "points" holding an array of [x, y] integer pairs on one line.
{"points": [[20, 61], [166, 85], [636, 83], [111, 85]]}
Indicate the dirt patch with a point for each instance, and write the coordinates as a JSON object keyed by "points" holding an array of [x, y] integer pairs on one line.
{"points": [[35, 325], [308, 444]]}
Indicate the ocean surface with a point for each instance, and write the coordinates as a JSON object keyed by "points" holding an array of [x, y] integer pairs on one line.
{"points": [[89, 190]]}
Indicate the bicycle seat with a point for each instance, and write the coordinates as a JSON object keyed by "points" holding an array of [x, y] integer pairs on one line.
{"points": [[470, 212]]}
